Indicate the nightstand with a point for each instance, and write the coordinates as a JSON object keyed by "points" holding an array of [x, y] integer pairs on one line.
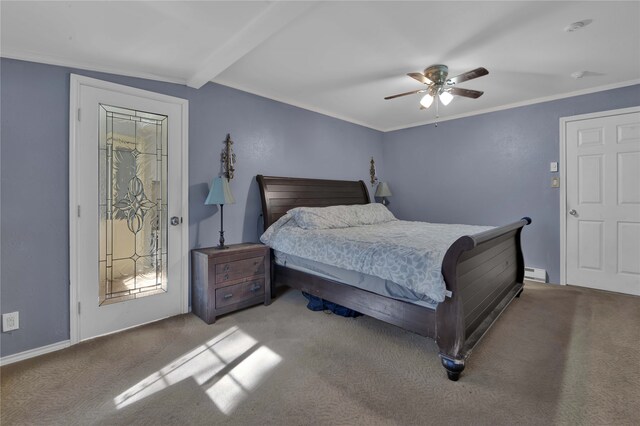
{"points": [[226, 280]]}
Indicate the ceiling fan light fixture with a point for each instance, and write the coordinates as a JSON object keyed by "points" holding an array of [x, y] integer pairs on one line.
{"points": [[426, 100], [440, 87], [446, 98]]}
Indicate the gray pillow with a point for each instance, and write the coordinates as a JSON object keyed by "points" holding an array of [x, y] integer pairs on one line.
{"points": [[341, 216]]}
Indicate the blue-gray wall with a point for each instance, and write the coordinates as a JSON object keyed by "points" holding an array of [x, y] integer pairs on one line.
{"points": [[270, 138], [491, 169]]}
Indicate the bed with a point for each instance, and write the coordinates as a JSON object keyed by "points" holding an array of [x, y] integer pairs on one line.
{"points": [[482, 272]]}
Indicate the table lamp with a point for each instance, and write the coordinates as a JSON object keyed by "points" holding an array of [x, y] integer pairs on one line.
{"points": [[220, 194], [383, 191]]}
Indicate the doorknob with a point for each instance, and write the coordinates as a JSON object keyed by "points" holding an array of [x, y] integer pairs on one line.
{"points": [[175, 220], [572, 212]]}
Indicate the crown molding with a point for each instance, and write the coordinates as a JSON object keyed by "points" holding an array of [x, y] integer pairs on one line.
{"points": [[296, 104], [518, 104], [40, 58], [51, 60]]}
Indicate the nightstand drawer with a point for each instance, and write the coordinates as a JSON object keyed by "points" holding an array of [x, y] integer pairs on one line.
{"points": [[240, 268], [237, 293]]}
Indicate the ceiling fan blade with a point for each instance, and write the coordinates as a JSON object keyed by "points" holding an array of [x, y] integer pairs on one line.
{"points": [[469, 75], [420, 77], [467, 93], [405, 94]]}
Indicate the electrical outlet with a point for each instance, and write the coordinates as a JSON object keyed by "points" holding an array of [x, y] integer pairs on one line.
{"points": [[10, 321]]}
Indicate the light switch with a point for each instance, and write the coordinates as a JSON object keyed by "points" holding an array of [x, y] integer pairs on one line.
{"points": [[553, 166], [555, 182]]}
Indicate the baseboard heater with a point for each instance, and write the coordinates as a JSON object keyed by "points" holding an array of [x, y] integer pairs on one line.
{"points": [[535, 274]]}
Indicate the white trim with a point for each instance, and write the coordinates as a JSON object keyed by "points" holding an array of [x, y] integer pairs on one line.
{"points": [[301, 105], [563, 199], [120, 330], [184, 246], [44, 59], [520, 104], [74, 103], [21, 356], [76, 81], [563, 177], [41, 58], [120, 88], [296, 104]]}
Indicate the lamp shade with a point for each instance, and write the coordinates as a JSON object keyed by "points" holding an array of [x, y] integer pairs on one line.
{"points": [[383, 190], [220, 192]]}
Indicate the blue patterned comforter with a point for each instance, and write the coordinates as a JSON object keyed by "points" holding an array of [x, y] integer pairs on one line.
{"points": [[408, 253]]}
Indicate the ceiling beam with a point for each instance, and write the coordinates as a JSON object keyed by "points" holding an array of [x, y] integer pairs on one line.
{"points": [[268, 22]]}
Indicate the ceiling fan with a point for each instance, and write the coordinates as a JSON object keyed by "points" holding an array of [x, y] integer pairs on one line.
{"points": [[435, 77]]}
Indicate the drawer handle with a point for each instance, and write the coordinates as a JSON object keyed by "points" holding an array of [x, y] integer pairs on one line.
{"points": [[226, 267], [255, 287], [228, 296], [226, 276]]}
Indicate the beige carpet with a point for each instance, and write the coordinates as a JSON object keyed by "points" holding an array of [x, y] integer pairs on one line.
{"points": [[558, 355]]}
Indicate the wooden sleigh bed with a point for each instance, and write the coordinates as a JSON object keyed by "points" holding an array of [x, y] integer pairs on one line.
{"points": [[483, 272]]}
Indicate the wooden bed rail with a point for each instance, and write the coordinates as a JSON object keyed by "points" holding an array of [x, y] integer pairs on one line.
{"points": [[483, 272]]}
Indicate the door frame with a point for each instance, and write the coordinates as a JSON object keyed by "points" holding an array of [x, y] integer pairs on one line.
{"points": [[563, 176], [76, 82]]}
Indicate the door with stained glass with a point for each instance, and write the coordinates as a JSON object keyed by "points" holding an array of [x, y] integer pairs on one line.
{"points": [[129, 178]]}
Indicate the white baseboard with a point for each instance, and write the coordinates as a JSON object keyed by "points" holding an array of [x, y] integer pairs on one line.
{"points": [[10, 359]]}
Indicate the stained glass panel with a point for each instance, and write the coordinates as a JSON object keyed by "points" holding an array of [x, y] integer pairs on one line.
{"points": [[132, 176]]}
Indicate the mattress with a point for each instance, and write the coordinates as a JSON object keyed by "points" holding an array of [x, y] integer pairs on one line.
{"points": [[407, 253], [353, 278]]}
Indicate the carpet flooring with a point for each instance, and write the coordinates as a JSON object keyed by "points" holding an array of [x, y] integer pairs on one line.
{"points": [[558, 355]]}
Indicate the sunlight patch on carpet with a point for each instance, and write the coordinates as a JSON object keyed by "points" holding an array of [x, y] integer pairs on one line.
{"points": [[234, 387], [233, 360]]}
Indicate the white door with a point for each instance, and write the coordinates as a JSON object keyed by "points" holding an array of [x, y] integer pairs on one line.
{"points": [[127, 184], [603, 202]]}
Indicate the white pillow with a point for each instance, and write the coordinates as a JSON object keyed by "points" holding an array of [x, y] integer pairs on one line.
{"points": [[268, 234], [341, 216]]}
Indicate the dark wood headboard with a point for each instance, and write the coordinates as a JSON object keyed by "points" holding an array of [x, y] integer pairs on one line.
{"points": [[281, 194]]}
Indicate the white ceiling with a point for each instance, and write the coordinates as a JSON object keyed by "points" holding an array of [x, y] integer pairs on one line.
{"points": [[340, 58]]}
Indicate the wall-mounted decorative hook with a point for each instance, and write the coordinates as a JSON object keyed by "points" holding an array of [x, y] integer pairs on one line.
{"points": [[372, 172], [228, 158]]}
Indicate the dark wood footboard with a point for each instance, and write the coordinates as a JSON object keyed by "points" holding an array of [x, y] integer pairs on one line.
{"points": [[483, 272]]}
